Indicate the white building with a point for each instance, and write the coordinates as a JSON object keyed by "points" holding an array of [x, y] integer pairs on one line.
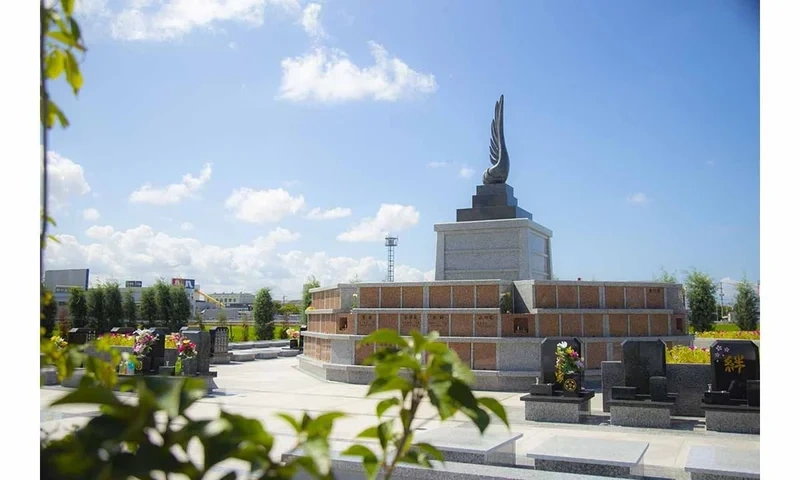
{"points": [[238, 299]]}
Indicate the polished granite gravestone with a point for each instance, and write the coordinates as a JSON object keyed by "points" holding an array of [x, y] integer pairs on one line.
{"points": [[123, 330], [734, 362], [199, 365], [157, 351], [80, 335], [641, 360], [735, 367], [219, 345], [547, 353]]}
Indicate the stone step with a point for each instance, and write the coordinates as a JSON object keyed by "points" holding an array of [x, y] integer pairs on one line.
{"points": [[289, 352], [247, 356]]}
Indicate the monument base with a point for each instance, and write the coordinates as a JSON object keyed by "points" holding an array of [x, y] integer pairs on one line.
{"points": [[507, 249]]}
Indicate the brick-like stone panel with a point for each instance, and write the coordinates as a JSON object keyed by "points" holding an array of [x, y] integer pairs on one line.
{"points": [[527, 321], [368, 297], [634, 297], [567, 296], [590, 297], [464, 296], [677, 322], [439, 323], [367, 323], [486, 325], [484, 356], [488, 296], [362, 352], [330, 322], [461, 325], [409, 322], [390, 297], [412, 297], [616, 349], [595, 353], [439, 297], [592, 325], [655, 298], [349, 325], [615, 297], [463, 351], [639, 325], [618, 325], [316, 300], [548, 325], [337, 299], [659, 324], [387, 320], [571, 325], [545, 296]]}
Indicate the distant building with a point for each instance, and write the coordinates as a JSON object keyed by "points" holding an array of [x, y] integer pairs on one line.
{"points": [[235, 300], [60, 282]]}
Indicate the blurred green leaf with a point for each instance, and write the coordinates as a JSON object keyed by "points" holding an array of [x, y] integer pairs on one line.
{"points": [[54, 63], [89, 395], [323, 424], [386, 404], [291, 421], [385, 336], [317, 450], [430, 450], [369, 432], [369, 459], [387, 384], [496, 408], [73, 71], [67, 6]]}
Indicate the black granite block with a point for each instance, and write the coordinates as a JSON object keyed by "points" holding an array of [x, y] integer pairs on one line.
{"points": [[643, 359], [491, 213], [734, 363], [623, 393], [545, 389], [754, 393], [658, 389]]}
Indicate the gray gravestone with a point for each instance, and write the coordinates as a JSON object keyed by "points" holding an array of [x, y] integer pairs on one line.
{"points": [[641, 360], [658, 389], [157, 352], [548, 357], [202, 341], [219, 340], [733, 363]]}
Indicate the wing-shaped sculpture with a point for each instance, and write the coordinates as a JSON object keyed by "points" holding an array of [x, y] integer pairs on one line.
{"points": [[498, 155]]}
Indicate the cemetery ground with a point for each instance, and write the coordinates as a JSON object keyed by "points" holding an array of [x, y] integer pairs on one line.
{"points": [[261, 389]]}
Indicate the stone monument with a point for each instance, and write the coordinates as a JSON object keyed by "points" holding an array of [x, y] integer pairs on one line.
{"points": [[495, 239]]}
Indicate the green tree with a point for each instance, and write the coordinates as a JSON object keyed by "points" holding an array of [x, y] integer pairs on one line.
{"points": [[245, 328], [180, 308], [665, 277], [312, 282], [113, 303], [129, 310], [701, 293], [148, 308], [48, 311], [746, 310], [289, 309], [97, 309], [222, 321], [263, 313], [78, 307], [164, 302]]}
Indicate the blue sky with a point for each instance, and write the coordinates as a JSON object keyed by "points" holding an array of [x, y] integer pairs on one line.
{"points": [[632, 129]]}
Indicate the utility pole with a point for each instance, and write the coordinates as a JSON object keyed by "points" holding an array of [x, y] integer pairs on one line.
{"points": [[721, 301]]}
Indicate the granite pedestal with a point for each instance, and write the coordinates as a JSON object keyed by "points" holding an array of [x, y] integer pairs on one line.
{"points": [[509, 249], [733, 418], [590, 456], [563, 409], [641, 413], [719, 463], [467, 445]]}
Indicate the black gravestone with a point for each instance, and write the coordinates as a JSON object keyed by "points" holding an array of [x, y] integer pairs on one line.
{"points": [[658, 389], [219, 340], [734, 362], [201, 362], [123, 330], [547, 352], [157, 351], [754, 393], [303, 328], [80, 335], [642, 359]]}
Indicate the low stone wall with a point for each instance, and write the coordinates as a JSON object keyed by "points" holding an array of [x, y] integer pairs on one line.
{"points": [[688, 380]]}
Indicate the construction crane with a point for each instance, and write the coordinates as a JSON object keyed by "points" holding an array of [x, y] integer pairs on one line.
{"points": [[210, 298]]}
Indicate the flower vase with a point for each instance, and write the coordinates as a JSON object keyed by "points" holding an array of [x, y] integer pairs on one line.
{"points": [[146, 363], [572, 385], [293, 343], [178, 366]]}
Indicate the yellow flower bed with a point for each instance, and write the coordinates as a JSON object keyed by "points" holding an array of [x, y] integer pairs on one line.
{"points": [[119, 340], [754, 335], [683, 354]]}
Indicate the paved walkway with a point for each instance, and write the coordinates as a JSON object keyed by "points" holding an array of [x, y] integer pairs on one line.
{"points": [[260, 389]]}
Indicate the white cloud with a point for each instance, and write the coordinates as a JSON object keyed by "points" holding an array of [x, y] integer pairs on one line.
{"points": [[233, 45], [638, 199], [173, 193], [65, 179], [438, 164], [172, 19], [259, 206], [186, 226], [390, 218], [311, 21], [466, 172], [142, 253], [328, 75], [337, 212], [91, 214]]}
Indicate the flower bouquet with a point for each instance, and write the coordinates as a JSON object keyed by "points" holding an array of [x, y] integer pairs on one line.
{"points": [[187, 350], [142, 347], [59, 342], [294, 337], [569, 368]]}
